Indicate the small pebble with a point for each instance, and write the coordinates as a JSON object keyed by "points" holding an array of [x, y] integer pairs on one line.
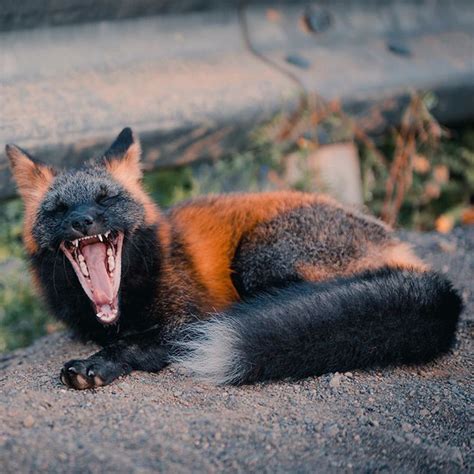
{"points": [[446, 246], [407, 428], [28, 422], [335, 381]]}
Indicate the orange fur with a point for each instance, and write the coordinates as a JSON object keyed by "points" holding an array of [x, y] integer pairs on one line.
{"points": [[396, 255], [401, 255], [127, 171], [33, 181], [211, 228]]}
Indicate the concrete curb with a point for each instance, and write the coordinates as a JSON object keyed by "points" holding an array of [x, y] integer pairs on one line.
{"points": [[192, 91]]}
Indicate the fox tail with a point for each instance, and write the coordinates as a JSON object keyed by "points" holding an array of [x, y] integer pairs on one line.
{"points": [[378, 318]]}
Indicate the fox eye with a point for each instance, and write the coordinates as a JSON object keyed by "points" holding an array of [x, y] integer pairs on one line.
{"points": [[104, 199], [102, 196], [61, 207]]}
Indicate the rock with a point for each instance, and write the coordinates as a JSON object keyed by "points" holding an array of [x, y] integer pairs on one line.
{"points": [[335, 381], [446, 246], [28, 422], [407, 428], [456, 455], [332, 430]]}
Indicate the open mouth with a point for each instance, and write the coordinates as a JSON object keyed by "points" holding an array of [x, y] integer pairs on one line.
{"points": [[97, 261]]}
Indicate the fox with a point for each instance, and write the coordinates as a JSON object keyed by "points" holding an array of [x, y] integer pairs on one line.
{"points": [[238, 288]]}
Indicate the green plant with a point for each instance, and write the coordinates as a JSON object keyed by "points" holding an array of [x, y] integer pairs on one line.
{"points": [[22, 315], [256, 169]]}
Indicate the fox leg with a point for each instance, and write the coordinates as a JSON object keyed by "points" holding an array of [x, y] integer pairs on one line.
{"points": [[145, 351]]}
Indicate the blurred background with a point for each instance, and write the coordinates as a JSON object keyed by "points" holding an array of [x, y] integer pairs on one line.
{"points": [[371, 101]]}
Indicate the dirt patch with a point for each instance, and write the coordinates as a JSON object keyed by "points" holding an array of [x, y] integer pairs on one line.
{"points": [[400, 420]]}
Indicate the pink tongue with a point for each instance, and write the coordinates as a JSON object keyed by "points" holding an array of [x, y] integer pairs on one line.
{"points": [[96, 257]]}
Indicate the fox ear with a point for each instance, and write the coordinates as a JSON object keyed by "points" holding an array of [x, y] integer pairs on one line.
{"points": [[32, 177], [122, 159]]}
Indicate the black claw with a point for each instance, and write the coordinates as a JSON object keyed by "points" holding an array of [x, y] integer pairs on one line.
{"points": [[90, 373], [72, 370], [63, 377]]}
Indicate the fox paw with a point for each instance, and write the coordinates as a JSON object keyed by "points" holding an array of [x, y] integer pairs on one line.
{"points": [[89, 373]]}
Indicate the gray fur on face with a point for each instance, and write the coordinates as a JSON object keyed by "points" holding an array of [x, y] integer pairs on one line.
{"points": [[86, 185]]}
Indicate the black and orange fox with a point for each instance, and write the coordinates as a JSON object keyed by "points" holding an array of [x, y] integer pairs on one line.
{"points": [[238, 288]]}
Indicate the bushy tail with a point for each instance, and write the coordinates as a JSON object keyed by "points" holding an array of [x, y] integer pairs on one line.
{"points": [[375, 319]]}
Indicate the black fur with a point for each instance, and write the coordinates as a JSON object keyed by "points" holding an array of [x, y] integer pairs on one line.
{"points": [[142, 351], [319, 236], [121, 144], [373, 319], [68, 302], [90, 186]]}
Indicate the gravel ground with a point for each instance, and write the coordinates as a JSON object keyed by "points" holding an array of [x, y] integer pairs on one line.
{"points": [[410, 419]]}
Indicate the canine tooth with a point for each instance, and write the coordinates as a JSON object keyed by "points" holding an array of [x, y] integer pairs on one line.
{"points": [[110, 252], [81, 258], [75, 243], [101, 238], [107, 233], [84, 269], [111, 262]]}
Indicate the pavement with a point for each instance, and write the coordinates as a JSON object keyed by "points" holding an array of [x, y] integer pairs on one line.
{"points": [[406, 419]]}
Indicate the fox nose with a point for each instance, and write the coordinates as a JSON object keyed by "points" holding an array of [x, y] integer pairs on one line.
{"points": [[81, 222]]}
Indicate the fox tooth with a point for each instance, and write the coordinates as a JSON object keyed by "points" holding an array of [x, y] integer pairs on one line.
{"points": [[75, 243], [101, 238], [111, 262], [84, 269], [107, 233]]}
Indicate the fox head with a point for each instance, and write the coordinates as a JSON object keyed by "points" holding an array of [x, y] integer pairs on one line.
{"points": [[87, 216]]}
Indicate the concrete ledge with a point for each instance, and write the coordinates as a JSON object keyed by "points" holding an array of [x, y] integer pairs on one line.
{"points": [[190, 88], [33, 14]]}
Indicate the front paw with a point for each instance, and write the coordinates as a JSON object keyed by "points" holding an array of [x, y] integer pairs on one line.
{"points": [[90, 373]]}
